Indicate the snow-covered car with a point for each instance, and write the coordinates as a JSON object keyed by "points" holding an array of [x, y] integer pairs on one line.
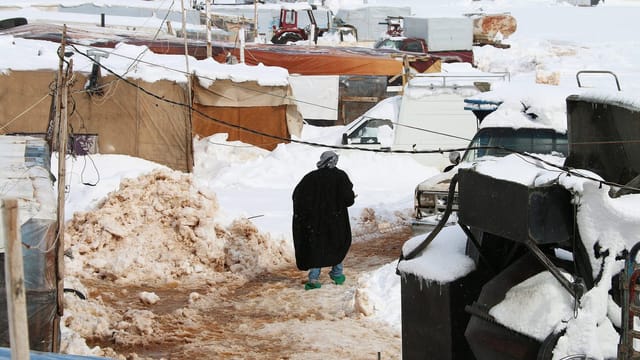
{"points": [[529, 132]]}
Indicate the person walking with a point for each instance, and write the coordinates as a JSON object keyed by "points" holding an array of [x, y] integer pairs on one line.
{"points": [[321, 228]]}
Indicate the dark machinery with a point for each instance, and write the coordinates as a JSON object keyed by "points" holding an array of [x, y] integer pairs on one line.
{"points": [[513, 231]]}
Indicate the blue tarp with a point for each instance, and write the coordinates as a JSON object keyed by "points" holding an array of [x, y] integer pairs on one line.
{"points": [[5, 353]]}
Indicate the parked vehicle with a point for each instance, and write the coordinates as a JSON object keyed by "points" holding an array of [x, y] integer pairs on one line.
{"points": [[542, 230], [494, 138], [290, 28], [431, 195], [449, 39], [418, 47], [429, 116]]}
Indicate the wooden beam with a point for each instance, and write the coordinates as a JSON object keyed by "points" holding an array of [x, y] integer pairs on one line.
{"points": [[14, 279]]}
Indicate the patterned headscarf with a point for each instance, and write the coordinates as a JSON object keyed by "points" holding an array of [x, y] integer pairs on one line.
{"points": [[328, 159]]}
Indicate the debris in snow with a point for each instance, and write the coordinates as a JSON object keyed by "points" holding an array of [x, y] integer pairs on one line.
{"points": [[148, 298]]}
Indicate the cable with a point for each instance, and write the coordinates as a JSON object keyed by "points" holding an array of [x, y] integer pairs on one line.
{"points": [[567, 170], [3, 127], [208, 78], [83, 168], [173, 102]]}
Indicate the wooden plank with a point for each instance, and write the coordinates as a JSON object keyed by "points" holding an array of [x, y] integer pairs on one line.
{"points": [[373, 99], [14, 279]]}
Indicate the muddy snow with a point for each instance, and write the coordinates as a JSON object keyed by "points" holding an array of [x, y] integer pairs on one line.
{"points": [[158, 277]]}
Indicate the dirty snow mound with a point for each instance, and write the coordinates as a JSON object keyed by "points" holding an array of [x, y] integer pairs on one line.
{"points": [[159, 228]]}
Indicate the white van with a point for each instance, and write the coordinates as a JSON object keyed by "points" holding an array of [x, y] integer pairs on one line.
{"points": [[430, 115]]}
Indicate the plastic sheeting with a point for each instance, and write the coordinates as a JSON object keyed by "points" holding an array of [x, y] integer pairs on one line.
{"points": [[25, 175], [156, 130], [225, 107], [318, 60], [5, 354]]}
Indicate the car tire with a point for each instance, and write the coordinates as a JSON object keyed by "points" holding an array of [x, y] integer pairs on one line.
{"points": [[285, 38]]}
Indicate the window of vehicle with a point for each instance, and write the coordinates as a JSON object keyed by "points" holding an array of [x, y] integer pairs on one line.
{"points": [[387, 44], [412, 45], [529, 140], [373, 131]]}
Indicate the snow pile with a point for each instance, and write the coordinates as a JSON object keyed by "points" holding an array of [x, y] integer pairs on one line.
{"points": [[160, 229], [443, 261]]}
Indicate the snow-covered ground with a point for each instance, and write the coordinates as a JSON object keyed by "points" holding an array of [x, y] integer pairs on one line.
{"points": [[235, 187]]}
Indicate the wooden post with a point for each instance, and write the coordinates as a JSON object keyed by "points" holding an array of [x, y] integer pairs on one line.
{"points": [[208, 12], [62, 154], [14, 279], [255, 20], [189, 91]]}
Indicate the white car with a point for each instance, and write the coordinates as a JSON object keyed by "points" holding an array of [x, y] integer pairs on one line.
{"points": [[431, 196]]}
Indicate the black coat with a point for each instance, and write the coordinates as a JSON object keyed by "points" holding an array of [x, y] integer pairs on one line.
{"points": [[321, 229]]}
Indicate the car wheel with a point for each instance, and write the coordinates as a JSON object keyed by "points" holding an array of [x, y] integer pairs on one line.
{"points": [[285, 38]]}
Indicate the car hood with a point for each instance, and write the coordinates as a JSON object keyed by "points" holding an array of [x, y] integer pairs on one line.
{"points": [[439, 182]]}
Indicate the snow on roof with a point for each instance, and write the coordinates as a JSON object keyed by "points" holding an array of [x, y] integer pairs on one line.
{"points": [[133, 61], [530, 106], [443, 261], [296, 6], [622, 98]]}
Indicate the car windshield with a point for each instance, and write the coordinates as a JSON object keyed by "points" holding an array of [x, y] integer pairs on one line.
{"points": [[374, 131], [388, 44], [535, 141]]}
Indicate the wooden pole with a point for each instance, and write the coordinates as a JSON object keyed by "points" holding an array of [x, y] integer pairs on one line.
{"points": [[241, 35], [255, 19], [14, 279], [189, 91], [208, 12], [62, 154]]}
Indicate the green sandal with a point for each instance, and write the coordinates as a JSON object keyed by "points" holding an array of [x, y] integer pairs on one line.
{"points": [[312, 285], [338, 280]]}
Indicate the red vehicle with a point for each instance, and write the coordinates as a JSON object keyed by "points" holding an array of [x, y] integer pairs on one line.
{"points": [[419, 46], [289, 30]]}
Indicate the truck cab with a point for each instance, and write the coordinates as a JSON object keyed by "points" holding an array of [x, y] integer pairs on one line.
{"points": [[431, 195], [495, 138]]}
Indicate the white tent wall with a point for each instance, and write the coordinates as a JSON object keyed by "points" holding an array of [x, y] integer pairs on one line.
{"points": [[316, 96]]}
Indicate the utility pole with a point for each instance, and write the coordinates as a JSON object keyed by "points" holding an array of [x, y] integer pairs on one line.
{"points": [[189, 90], [208, 12], [64, 81], [255, 19]]}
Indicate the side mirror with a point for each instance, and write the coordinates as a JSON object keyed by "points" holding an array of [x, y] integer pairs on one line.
{"points": [[454, 157], [345, 141]]}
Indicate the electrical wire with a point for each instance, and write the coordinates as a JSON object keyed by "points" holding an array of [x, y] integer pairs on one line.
{"points": [[3, 127], [240, 127], [212, 79], [568, 171]]}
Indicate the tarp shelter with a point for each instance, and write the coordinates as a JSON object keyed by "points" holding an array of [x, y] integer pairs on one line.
{"points": [[146, 120], [25, 175], [227, 107], [125, 119]]}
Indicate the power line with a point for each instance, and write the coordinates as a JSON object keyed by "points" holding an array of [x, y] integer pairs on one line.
{"points": [[212, 79], [173, 102], [567, 170]]}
